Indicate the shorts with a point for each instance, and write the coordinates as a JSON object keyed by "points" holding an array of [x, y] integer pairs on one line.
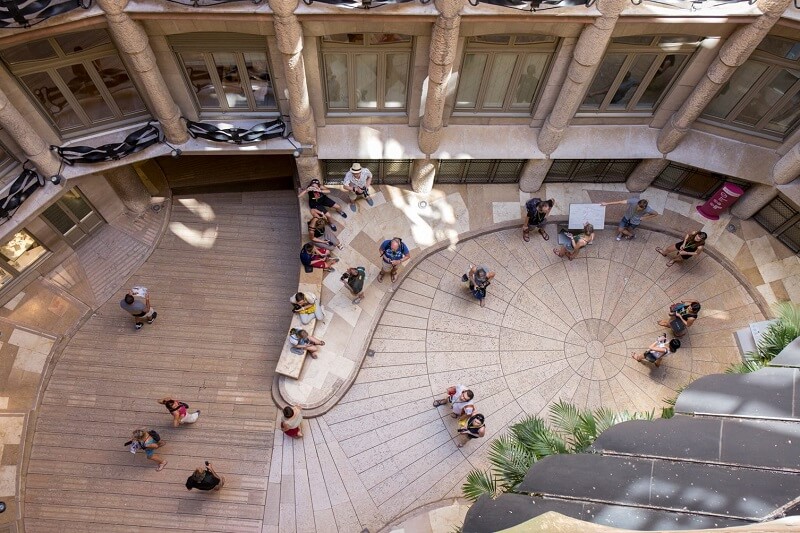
{"points": [[321, 204], [678, 247], [540, 224], [292, 432], [627, 224], [387, 267]]}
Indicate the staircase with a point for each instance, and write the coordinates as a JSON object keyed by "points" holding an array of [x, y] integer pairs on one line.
{"points": [[729, 457]]}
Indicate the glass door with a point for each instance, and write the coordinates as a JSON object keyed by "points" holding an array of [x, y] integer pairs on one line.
{"points": [[73, 217]]}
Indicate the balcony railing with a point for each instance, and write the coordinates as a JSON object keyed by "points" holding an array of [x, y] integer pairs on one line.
{"points": [[134, 142], [26, 13], [19, 191], [233, 135]]}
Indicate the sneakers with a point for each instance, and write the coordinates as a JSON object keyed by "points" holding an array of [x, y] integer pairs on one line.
{"points": [[464, 278], [138, 326], [357, 301], [152, 318], [333, 227], [370, 202], [353, 207], [343, 214], [619, 237]]}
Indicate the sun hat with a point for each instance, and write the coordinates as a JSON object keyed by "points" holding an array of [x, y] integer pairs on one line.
{"points": [[356, 167]]}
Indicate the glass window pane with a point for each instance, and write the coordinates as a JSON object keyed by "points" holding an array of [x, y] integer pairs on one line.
{"points": [[780, 47], [643, 40], [470, 80], [29, 52], [530, 39], [367, 81], [84, 90], [5, 277], [84, 40], [52, 101], [22, 250], [741, 81], [388, 38], [529, 79], [667, 70], [499, 80], [336, 80], [116, 79], [200, 80], [228, 72], [603, 80], [679, 39], [767, 97], [260, 82], [787, 117], [492, 39], [344, 38], [59, 218], [396, 79], [631, 80], [75, 203]]}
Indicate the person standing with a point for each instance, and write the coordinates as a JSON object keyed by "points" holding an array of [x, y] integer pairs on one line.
{"points": [[691, 246], [459, 397], [319, 202], [354, 279], [473, 427], [137, 303], [305, 304], [358, 180], [179, 411], [393, 253], [536, 217], [635, 212], [685, 313], [205, 479], [291, 421], [149, 441], [478, 278]]}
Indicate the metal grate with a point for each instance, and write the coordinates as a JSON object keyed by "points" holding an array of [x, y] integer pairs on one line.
{"points": [[591, 170], [479, 170], [775, 214], [692, 181], [791, 237], [384, 171]]}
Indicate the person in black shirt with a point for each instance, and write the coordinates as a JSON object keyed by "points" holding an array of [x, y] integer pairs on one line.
{"points": [[319, 203], [205, 479], [353, 279]]}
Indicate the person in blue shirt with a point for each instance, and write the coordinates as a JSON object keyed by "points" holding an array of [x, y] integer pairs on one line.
{"points": [[635, 211], [393, 252]]}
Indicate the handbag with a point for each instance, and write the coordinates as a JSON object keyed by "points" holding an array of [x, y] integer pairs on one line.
{"points": [[678, 326]]}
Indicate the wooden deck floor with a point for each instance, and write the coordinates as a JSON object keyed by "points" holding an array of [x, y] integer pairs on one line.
{"points": [[219, 280]]}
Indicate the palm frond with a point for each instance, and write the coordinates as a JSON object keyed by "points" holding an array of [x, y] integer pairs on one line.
{"points": [[745, 367], [779, 334], [566, 418], [537, 438], [479, 483], [510, 460]]}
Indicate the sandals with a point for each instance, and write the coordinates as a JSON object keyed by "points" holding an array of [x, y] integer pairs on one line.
{"points": [[380, 277], [161, 466], [394, 277], [526, 235], [670, 263], [544, 234], [558, 252], [437, 403], [660, 250]]}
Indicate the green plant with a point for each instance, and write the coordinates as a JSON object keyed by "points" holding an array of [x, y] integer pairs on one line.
{"points": [[745, 367], [669, 412], [779, 334]]}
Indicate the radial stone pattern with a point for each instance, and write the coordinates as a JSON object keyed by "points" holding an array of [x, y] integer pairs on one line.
{"points": [[557, 329]]}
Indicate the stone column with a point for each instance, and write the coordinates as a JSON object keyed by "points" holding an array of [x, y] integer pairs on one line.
{"points": [[533, 174], [753, 200], [289, 34], [131, 41], [422, 175], [645, 173], [589, 52], [733, 54], [787, 168], [35, 148], [444, 41], [308, 168], [129, 187]]}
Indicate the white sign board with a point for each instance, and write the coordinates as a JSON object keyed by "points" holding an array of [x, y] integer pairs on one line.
{"points": [[580, 214]]}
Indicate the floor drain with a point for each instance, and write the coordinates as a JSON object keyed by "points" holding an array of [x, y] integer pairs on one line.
{"points": [[423, 204]]}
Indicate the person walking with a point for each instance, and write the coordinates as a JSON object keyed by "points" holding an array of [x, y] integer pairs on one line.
{"points": [[305, 305], [536, 217], [319, 203], [658, 350], [148, 441], [478, 278], [358, 180], [459, 397], [393, 253], [472, 427], [302, 342], [205, 479], [681, 317], [137, 303], [179, 411], [291, 421], [692, 245], [636, 211], [575, 243], [353, 279]]}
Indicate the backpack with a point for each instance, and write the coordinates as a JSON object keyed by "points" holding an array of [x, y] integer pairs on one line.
{"points": [[305, 259], [154, 435], [530, 205]]}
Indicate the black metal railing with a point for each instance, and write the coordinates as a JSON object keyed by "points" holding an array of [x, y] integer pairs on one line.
{"points": [[26, 13], [134, 142], [207, 3], [19, 191], [233, 135], [360, 4]]}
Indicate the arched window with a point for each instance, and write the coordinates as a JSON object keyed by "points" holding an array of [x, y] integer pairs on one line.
{"points": [[77, 80], [503, 73], [637, 72]]}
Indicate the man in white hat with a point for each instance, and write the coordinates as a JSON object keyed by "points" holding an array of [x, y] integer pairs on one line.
{"points": [[358, 180]]}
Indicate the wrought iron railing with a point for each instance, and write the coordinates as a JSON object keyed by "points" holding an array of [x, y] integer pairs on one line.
{"points": [[19, 191], [26, 13], [134, 142], [233, 135], [207, 3]]}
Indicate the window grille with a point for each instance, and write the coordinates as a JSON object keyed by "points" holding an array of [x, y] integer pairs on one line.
{"points": [[384, 171], [781, 218], [479, 170], [591, 170], [692, 181]]}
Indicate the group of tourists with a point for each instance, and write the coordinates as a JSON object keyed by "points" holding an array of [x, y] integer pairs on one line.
{"points": [[471, 424]]}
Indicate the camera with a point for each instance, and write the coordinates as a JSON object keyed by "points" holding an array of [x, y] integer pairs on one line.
{"points": [[345, 276], [207, 463]]}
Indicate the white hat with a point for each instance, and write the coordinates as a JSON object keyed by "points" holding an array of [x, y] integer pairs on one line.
{"points": [[356, 167]]}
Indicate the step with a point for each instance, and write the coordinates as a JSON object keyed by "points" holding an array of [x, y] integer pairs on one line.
{"points": [[734, 442], [789, 356], [667, 485], [508, 510], [766, 393]]}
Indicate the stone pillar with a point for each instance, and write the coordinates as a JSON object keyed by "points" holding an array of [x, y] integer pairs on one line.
{"points": [[34, 147], [422, 175], [733, 54], [131, 41], [787, 168], [589, 52], [444, 41], [533, 174], [129, 187], [753, 200], [645, 173], [308, 168], [289, 34]]}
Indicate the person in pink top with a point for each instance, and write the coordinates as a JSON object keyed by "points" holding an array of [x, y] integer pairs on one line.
{"points": [[179, 411]]}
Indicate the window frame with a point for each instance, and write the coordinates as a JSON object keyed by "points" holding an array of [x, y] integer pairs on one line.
{"points": [[577, 166], [14, 272], [333, 170], [238, 44], [350, 51], [632, 52], [492, 50], [686, 171], [50, 66], [463, 175], [792, 222]]}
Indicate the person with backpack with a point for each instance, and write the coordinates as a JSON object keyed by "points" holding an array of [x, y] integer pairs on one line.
{"points": [[353, 279], [536, 217], [393, 253], [205, 479], [656, 352], [149, 441], [313, 257], [473, 427], [681, 316], [478, 278], [179, 411]]}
